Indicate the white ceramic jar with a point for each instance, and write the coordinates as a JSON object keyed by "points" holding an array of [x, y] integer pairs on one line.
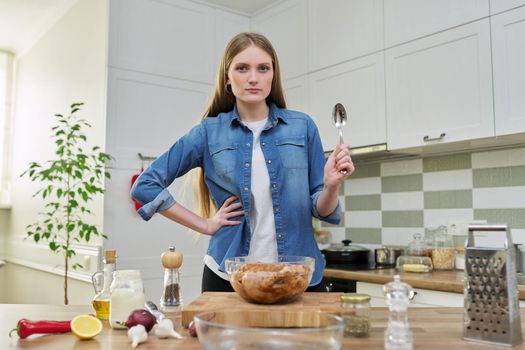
{"points": [[126, 295]]}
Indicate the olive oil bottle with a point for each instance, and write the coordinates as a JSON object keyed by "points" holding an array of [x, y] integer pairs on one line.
{"points": [[102, 282]]}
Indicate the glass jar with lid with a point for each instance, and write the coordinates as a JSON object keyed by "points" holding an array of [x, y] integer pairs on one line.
{"points": [[443, 251], [417, 247], [126, 295], [357, 317]]}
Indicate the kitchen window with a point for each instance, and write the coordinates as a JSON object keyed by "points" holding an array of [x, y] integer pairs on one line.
{"points": [[6, 83]]}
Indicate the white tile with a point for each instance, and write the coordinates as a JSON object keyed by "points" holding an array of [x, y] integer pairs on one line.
{"points": [[403, 167], [498, 197], [502, 158], [399, 235], [404, 200], [363, 218], [447, 180], [338, 234], [367, 185], [437, 217], [518, 236]]}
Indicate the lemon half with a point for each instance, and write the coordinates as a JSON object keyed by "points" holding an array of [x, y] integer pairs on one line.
{"points": [[86, 326]]}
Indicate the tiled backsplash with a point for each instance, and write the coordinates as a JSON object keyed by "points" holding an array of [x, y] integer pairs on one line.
{"points": [[386, 203]]}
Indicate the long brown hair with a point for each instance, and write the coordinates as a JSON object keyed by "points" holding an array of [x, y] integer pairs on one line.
{"points": [[223, 100]]}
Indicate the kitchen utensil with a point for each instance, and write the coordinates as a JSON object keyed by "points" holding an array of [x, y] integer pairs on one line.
{"points": [[386, 257], [346, 256], [151, 307], [491, 292], [339, 119], [409, 263], [226, 330], [225, 301], [270, 283]]}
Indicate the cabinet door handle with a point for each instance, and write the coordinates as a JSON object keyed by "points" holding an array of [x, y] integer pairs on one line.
{"points": [[428, 138]]}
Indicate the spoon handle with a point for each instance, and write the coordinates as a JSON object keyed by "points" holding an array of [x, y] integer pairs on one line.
{"points": [[341, 142]]}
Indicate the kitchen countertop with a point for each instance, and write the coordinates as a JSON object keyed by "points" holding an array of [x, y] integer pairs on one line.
{"points": [[433, 328], [444, 281]]}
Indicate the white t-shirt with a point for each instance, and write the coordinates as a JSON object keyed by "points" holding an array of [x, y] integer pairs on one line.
{"points": [[263, 243]]}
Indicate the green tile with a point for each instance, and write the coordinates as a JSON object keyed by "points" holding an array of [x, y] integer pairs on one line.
{"points": [[449, 162], [364, 235], [499, 177], [366, 170], [342, 189], [364, 202], [515, 218], [448, 199], [402, 183], [402, 218], [341, 224]]}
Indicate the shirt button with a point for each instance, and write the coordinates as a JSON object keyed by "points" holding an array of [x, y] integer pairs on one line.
{"points": [[277, 209], [247, 165], [246, 188], [274, 185], [248, 144], [269, 161], [280, 236], [263, 143]]}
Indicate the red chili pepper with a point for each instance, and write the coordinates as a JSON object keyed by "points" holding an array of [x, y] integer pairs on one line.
{"points": [[25, 327]]}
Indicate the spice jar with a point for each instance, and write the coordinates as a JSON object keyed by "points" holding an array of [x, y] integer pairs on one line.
{"points": [[357, 315], [443, 252], [417, 247], [126, 295], [171, 301]]}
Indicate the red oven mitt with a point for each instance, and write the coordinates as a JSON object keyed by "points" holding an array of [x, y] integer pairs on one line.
{"points": [[133, 179]]}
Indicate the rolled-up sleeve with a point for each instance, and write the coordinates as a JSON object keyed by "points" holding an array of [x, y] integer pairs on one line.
{"points": [[150, 189]]}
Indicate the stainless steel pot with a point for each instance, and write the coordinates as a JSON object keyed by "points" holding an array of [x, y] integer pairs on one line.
{"points": [[386, 256]]}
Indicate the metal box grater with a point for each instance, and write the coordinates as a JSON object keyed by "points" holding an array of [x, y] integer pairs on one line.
{"points": [[491, 292]]}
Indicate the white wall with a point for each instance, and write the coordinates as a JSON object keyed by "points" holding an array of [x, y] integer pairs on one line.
{"points": [[67, 64]]}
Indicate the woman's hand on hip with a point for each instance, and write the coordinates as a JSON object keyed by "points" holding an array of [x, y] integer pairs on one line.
{"points": [[338, 167], [222, 216]]}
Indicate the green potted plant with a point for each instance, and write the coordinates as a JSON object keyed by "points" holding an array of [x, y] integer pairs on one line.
{"points": [[69, 183]]}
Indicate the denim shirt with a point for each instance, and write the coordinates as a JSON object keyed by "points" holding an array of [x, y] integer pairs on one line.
{"points": [[222, 146]]}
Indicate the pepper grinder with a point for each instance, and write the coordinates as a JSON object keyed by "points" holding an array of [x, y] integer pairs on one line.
{"points": [[171, 297], [398, 335]]}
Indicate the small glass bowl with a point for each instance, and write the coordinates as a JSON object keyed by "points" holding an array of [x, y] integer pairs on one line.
{"points": [[408, 263], [269, 329], [270, 283]]}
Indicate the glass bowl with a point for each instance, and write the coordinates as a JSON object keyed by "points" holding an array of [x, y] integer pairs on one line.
{"points": [[270, 283], [269, 329], [409, 263]]}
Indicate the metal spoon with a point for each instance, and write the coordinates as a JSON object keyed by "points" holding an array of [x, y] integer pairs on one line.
{"points": [[339, 119]]}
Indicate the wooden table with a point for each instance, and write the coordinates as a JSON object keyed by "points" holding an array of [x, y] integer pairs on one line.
{"points": [[433, 328], [444, 281]]}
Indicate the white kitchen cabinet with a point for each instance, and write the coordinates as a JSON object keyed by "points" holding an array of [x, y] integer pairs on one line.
{"points": [[227, 25], [171, 38], [296, 93], [497, 6], [359, 86], [407, 20], [422, 298], [286, 26], [508, 53], [439, 88], [340, 30]]}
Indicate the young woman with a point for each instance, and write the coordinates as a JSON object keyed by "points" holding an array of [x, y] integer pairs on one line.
{"points": [[262, 170]]}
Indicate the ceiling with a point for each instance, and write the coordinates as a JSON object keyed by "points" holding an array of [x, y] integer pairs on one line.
{"points": [[22, 22]]}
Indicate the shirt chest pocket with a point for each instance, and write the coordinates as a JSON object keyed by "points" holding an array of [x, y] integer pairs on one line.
{"points": [[224, 157], [293, 152]]}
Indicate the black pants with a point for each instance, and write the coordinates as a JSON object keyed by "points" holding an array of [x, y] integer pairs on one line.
{"points": [[213, 283]]}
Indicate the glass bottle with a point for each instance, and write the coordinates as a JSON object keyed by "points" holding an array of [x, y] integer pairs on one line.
{"points": [[126, 295], [357, 320], [101, 283], [170, 300], [443, 252], [417, 247], [398, 335]]}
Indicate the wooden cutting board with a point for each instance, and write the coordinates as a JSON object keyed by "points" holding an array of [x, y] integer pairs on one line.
{"points": [[300, 312]]}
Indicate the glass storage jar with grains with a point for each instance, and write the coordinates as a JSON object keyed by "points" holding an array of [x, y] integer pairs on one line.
{"points": [[443, 251], [356, 315]]}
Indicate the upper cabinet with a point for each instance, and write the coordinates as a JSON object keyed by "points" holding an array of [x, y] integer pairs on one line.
{"points": [[340, 30], [360, 86], [497, 6], [286, 25], [508, 36], [407, 20], [439, 88]]}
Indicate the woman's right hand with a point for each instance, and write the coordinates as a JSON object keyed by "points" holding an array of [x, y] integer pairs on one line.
{"points": [[224, 213]]}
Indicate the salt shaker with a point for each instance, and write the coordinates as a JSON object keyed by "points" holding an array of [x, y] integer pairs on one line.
{"points": [[398, 335], [170, 300]]}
